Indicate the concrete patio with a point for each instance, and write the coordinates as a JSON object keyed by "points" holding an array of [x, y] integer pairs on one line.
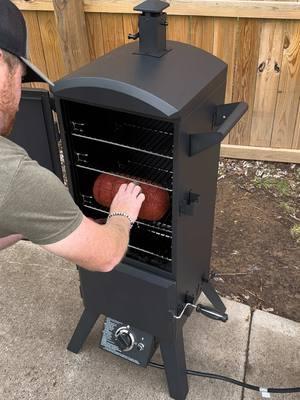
{"points": [[40, 307]]}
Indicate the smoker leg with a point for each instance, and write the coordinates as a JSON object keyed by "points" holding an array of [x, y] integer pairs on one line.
{"points": [[85, 325], [174, 360]]}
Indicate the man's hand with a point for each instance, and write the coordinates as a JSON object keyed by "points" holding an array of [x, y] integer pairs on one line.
{"points": [[128, 199]]}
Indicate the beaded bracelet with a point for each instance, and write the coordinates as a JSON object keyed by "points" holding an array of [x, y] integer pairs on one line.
{"points": [[121, 214]]}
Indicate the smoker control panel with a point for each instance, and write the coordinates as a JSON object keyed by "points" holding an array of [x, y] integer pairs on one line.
{"points": [[127, 342]]}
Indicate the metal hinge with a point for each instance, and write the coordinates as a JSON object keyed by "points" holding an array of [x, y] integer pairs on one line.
{"points": [[52, 101], [57, 131]]}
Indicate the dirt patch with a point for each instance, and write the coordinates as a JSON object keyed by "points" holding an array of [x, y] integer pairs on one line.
{"points": [[256, 247]]}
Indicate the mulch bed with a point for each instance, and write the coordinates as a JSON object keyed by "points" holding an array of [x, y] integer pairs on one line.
{"points": [[256, 246]]}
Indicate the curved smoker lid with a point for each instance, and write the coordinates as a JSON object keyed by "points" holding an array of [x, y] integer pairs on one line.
{"points": [[168, 83]]}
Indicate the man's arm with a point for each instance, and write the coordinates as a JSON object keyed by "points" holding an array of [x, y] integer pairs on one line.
{"points": [[101, 247], [9, 240], [95, 247]]}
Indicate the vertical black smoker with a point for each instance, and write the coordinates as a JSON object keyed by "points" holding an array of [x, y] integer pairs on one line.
{"points": [[153, 111]]}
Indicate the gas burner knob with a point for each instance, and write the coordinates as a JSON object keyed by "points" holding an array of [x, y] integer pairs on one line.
{"points": [[140, 346], [124, 338]]}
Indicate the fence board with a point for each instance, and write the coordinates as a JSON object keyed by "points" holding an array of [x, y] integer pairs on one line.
{"points": [[225, 49], [268, 74], [296, 139], [73, 42], [113, 31], [260, 153], [130, 24], [202, 33], [217, 8], [241, 9], [95, 35], [36, 50], [53, 55], [248, 39], [289, 89], [179, 29]]}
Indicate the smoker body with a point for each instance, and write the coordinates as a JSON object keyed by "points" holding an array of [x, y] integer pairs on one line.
{"points": [[168, 100], [148, 91]]}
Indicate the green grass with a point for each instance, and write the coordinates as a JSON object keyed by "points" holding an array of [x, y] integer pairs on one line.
{"points": [[289, 209], [279, 185], [295, 232]]}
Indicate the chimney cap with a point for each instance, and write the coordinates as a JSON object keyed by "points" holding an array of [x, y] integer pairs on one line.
{"points": [[152, 6]]}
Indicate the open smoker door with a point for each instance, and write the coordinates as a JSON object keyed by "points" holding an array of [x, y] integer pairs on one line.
{"points": [[36, 131]]}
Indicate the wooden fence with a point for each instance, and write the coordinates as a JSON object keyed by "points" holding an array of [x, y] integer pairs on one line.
{"points": [[260, 41]]}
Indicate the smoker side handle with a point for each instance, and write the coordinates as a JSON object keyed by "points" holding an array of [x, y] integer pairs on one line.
{"points": [[229, 115], [226, 117]]}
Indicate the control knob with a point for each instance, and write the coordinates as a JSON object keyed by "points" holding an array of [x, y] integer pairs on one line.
{"points": [[124, 338]]}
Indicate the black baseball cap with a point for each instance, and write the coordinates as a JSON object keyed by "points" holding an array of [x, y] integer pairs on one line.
{"points": [[13, 39]]}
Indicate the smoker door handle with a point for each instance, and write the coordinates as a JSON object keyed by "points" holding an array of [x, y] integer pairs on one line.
{"points": [[225, 117]]}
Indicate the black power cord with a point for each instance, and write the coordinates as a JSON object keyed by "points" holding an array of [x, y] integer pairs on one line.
{"points": [[234, 381]]}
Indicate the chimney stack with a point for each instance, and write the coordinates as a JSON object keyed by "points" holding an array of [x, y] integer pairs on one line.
{"points": [[152, 28]]}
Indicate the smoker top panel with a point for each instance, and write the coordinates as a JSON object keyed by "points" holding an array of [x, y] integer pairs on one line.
{"points": [[152, 6], [168, 83]]}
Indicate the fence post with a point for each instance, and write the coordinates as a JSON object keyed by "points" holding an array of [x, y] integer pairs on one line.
{"points": [[71, 26]]}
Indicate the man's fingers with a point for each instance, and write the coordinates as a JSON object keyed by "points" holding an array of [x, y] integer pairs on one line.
{"points": [[137, 190], [130, 187], [122, 188], [141, 198]]}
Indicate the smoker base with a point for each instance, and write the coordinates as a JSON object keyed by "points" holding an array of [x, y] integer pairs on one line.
{"points": [[84, 327], [147, 303], [172, 349], [141, 300], [173, 355]]}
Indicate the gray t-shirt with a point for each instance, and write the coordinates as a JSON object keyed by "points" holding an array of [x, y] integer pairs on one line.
{"points": [[33, 201]]}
